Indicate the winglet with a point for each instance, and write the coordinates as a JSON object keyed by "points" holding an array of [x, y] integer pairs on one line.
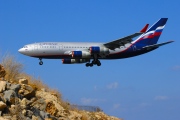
{"points": [[145, 28]]}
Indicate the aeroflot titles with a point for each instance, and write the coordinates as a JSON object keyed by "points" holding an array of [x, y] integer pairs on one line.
{"points": [[47, 43]]}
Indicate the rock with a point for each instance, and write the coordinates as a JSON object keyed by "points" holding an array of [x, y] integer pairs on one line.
{"points": [[1, 96], [55, 118], [44, 114], [53, 105], [2, 106], [8, 85], [33, 99], [21, 92], [75, 115], [2, 118], [2, 72], [98, 117], [43, 89], [29, 113], [9, 96], [24, 103], [34, 118], [24, 112], [15, 87], [23, 81], [13, 106], [27, 118], [27, 91], [40, 104], [12, 109], [14, 117], [2, 86], [36, 112], [48, 119], [2, 79], [50, 108]]}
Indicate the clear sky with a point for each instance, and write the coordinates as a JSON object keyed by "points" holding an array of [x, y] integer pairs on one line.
{"points": [[145, 87]]}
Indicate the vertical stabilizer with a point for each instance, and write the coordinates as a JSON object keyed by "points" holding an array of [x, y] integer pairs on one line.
{"points": [[152, 35]]}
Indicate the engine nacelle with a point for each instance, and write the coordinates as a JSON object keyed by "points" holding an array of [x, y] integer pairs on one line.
{"points": [[99, 50], [72, 61], [81, 54]]}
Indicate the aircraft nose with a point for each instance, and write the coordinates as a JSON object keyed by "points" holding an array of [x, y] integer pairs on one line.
{"points": [[21, 50]]}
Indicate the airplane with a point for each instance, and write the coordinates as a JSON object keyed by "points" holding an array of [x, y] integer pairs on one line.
{"points": [[91, 53]]}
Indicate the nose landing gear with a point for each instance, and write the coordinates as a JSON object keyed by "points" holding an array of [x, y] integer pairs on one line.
{"points": [[40, 62]]}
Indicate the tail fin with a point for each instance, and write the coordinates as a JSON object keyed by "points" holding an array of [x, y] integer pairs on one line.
{"points": [[153, 33]]}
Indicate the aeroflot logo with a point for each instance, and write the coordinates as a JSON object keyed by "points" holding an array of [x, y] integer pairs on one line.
{"points": [[47, 43]]}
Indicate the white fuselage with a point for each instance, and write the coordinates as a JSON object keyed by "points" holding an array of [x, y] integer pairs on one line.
{"points": [[62, 49]]}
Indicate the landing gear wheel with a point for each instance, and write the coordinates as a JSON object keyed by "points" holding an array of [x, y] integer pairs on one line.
{"points": [[91, 64], [87, 65], [98, 63], [41, 63]]}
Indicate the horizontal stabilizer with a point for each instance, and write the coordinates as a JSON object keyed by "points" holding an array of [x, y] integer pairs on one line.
{"points": [[145, 28], [157, 45]]}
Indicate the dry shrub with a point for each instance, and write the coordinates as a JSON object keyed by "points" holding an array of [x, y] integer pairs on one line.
{"points": [[65, 105], [37, 83], [74, 108], [12, 67], [84, 115], [2, 72]]}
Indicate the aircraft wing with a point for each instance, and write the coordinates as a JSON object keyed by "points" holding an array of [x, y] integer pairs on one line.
{"points": [[156, 45], [122, 41]]}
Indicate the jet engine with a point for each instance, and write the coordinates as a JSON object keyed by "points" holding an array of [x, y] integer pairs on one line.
{"points": [[81, 54], [72, 61], [98, 50]]}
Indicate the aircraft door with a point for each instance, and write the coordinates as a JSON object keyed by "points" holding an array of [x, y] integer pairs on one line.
{"points": [[60, 47]]}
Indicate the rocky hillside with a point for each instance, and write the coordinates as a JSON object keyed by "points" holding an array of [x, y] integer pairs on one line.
{"points": [[22, 99]]}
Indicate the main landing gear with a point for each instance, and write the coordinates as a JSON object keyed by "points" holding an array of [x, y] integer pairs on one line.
{"points": [[94, 62], [40, 62], [97, 62]]}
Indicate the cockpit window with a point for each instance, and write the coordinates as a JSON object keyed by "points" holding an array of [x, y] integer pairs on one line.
{"points": [[25, 47]]}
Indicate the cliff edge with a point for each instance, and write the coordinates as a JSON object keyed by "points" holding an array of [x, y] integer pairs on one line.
{"points": [[25, 98]]}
